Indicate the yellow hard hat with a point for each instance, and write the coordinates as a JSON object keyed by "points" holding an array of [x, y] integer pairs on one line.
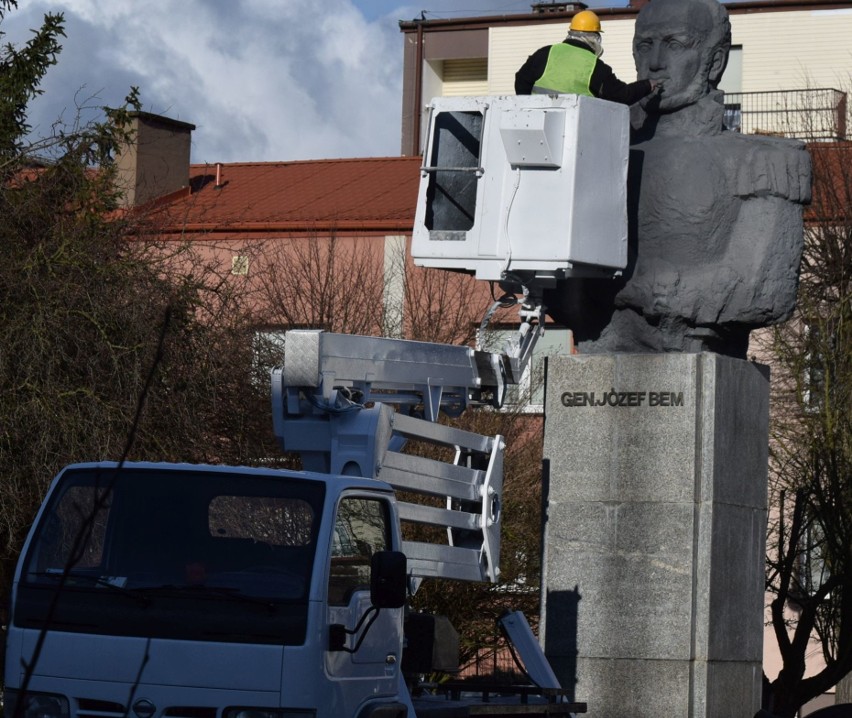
{"points": [[585, 21]]}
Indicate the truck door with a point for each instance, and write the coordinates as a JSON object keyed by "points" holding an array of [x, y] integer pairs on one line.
{"points": [[362, 527]]}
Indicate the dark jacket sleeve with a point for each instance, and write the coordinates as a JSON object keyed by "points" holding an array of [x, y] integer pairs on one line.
{"points": [[531, 70], [605, 85]]}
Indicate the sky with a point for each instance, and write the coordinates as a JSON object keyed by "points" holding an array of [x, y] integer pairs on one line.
{"points": [[262, 80]]}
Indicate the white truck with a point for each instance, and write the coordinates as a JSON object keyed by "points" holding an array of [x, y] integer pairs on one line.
{"points": [[182, 591], [161, 590]]}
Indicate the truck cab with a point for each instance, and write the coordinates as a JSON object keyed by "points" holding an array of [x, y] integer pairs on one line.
{"points": [[169, 590]]}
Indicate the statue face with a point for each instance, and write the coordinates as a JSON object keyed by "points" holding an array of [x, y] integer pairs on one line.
{"points": [[671, 44]]}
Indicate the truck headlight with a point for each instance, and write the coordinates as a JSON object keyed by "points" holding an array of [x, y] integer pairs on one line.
{"points": [[35, 705], [267, 713]]}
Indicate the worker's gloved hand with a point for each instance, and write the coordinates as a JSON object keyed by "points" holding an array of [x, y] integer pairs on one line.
{"points": [[656, 87]]}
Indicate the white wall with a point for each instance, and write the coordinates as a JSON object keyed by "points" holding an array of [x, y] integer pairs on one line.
{"points": [[791, 50], [783, 50]]}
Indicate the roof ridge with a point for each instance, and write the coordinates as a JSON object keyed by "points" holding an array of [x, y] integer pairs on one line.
{"points": [[327, 160]]}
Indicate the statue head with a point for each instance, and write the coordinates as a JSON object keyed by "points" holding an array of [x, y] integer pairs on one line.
{"points": [[684, 44]]}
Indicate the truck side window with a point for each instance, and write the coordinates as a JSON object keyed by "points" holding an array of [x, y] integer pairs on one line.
{"points": [[360, 529]]}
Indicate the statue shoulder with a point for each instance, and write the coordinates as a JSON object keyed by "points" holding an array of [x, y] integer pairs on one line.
{"points": [[769, 166]]}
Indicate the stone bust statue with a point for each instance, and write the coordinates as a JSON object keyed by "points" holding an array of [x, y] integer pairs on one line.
{"points": [[715, 216]]}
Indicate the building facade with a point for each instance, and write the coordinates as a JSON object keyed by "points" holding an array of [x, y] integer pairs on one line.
{"points": [[787, 58]]}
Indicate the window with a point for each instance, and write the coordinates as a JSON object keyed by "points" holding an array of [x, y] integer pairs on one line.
{"points": [[245, 532], [66, 530], [270, 520], [454, 158], [267, 352], [465, 77], [175, 552], [732, 85], [528, 394], [819, 369], [239, 264], [360, 530], [732, 78]]}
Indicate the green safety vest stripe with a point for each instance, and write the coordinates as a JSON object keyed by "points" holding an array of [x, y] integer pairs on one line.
{"points": [[568, 71]]}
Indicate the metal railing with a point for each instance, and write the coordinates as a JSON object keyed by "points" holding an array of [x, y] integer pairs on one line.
{"points": [[817, 114]]}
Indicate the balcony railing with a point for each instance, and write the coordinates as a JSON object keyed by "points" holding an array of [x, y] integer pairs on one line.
{"points": [[810, 115]]}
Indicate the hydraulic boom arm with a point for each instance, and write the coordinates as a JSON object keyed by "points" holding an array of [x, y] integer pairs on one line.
{"points": [[348, 405]]}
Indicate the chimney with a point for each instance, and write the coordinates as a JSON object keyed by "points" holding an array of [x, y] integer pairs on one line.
{"points": [[638, 4], [544, 8], [156, 160]]}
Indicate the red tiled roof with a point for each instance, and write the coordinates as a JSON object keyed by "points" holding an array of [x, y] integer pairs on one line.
{"points": [[376, 194], [372, 194]]}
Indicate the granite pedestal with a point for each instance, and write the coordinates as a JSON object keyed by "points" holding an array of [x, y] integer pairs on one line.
{"points": [[652, 587]]}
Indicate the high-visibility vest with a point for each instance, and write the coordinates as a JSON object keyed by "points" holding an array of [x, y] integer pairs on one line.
{"points": [[568, 71]]}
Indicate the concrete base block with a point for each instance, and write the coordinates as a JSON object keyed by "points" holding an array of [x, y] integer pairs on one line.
{"points": [[655, 533]]}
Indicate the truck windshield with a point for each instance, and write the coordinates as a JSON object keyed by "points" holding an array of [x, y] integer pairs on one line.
{"points": [[210, 553]]}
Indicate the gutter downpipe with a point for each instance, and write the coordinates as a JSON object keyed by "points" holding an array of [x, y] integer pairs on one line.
{"points": [[418, 88]]}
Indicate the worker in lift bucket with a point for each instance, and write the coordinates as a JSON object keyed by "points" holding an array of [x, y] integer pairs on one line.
{"points": [[574, 67]]}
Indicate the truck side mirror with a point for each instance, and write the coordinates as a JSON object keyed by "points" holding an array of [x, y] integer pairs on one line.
{"points": [[388, 579]]}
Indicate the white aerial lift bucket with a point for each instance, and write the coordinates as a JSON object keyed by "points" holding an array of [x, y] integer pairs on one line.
{"points": [[525, 188]]}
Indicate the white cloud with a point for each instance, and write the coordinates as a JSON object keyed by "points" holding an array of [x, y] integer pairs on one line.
{"points": [[263, 80]]}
